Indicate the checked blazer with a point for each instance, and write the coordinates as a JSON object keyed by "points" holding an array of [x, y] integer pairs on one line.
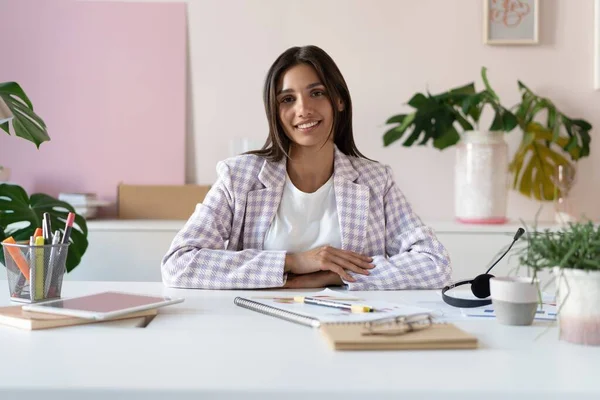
{"points": [[221, 245]]}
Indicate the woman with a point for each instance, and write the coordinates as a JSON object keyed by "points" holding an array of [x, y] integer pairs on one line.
{"points": [[307, 210]]}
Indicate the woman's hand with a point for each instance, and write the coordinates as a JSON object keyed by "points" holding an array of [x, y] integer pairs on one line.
{"points": [[327, 258], [313, 280]]}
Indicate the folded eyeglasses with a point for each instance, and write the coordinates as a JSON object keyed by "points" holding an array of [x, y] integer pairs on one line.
{"points": [[398, 325]]}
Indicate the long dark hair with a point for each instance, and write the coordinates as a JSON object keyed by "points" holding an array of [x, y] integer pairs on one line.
{"points": [[277, 144]]}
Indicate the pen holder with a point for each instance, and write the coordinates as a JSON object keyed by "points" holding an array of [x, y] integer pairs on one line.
{"points": [[45, 265]]}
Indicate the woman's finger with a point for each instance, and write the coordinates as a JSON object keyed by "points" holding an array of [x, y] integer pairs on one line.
{"points": [[348, 265], [340, 271], [354, 258]]}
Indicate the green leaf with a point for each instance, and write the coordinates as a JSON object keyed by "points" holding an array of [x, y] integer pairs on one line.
{"points": [[26, 123], [418, 101], [416, 132], [20, 215], [396, 119], [488, 87], [449, 138]]}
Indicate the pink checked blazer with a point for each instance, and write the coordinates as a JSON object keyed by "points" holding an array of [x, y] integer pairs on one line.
{"points": [[221, 245]]}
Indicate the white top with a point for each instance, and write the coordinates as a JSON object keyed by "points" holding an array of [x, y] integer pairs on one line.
{"points": [[305, 220], [207, 347]]}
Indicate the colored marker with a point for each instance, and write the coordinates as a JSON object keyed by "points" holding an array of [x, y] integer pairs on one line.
{"points": [[39, 268], [355, 308], [17, 256]]}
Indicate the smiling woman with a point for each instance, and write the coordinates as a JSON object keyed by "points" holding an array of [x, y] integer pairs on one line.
{"points": [[308, 209]]}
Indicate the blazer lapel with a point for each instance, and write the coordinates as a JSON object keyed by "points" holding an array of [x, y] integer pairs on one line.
{"points": [[262, 204], [352, 201]]}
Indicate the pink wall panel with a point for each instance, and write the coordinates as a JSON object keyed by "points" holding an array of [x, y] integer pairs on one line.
{"points": [[109, 80]]}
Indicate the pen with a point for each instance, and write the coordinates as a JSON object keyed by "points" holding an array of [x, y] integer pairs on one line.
{"points": [[46, 228], [355, 308], [51, 262], [68, 228]]}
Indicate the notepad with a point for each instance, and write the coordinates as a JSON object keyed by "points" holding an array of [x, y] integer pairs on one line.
{"points": [[16, 317], [437, 336], [284, 307]]}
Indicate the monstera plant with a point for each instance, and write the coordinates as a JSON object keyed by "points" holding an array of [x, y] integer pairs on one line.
{"points": [[26, 123], [21, 214], [550, 138]]}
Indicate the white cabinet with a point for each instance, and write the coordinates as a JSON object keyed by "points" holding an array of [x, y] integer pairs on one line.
{"points": [[131, 250], [125, 250]]}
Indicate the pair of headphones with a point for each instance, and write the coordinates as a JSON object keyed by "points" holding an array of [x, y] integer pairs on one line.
{"points": [[480, 286]]}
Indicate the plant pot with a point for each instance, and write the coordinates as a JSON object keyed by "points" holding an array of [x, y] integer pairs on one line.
{"points": [[481, 178], [515, 299], [578, 297]]}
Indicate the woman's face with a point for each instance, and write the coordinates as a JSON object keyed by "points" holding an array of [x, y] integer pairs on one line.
{"points": [[304, 107]]}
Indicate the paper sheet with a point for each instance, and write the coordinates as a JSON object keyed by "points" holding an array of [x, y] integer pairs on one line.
{"points": [[327, 314], [545, 312]]}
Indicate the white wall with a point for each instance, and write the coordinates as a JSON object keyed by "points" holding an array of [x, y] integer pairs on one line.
{"points": [[387, 50]]}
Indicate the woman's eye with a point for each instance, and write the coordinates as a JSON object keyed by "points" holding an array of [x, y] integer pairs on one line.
{"points": [[286, 99], [318, 93]]}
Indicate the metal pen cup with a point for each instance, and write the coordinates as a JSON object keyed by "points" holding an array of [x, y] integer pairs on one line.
{"points": [[45, 264]]}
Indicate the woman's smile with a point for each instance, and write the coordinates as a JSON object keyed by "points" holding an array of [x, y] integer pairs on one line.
{"points": [[307, 127]]}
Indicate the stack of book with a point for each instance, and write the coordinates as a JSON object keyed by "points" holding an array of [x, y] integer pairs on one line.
{"points": [[85, 204], [16, 317]]}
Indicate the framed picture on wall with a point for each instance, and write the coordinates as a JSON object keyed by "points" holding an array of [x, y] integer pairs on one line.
{"points": [[510, 21], [597, 45]]}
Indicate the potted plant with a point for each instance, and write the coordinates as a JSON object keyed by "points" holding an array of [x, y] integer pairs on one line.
{"points": [[21, 214], [572, 253], [550, 138]]}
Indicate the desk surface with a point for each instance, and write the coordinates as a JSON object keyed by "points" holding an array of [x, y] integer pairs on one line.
{"points": [[207, 347]]}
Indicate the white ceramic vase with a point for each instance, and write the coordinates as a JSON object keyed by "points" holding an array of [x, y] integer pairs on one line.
{"points": [[481, 178], [578, 304]]}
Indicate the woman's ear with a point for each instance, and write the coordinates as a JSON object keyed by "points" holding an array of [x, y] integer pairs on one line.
{"points": [[340, 105]]}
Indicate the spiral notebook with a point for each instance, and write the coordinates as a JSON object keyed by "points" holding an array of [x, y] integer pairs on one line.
{"points": [[346, 331], [284, 307]]}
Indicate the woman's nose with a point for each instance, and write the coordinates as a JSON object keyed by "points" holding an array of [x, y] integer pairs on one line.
{"points": [[303, 107]]}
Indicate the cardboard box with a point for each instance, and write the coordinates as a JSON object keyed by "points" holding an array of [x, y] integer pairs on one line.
{"points": [[159, 201]]}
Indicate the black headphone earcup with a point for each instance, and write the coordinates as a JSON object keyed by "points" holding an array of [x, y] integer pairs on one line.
{"points": [[481, 285]]}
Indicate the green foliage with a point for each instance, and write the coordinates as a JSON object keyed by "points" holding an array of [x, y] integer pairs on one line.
{"points": [[26, 123], [437, 117], [561, 140], [20, 215], [576, 246], [547, 143]]}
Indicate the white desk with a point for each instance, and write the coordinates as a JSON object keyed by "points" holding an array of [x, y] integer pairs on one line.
{"points": [[207, 347]]}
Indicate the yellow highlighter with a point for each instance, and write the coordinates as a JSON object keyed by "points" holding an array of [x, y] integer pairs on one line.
{"points": [[39, 268], [355, 308]]}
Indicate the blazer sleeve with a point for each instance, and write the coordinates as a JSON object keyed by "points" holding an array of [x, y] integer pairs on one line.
{"points": [[198, 257], [414, 259]]}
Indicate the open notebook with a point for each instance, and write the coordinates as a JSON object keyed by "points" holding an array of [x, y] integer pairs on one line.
{"points": [[344, 330], [284, 307]]}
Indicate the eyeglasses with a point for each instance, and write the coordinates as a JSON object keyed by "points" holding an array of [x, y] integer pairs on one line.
{"points": [[398, 325]]}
